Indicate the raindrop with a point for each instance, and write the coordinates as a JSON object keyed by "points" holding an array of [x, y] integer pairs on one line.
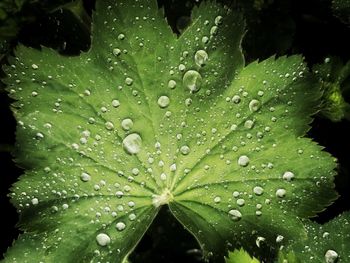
{"points": [[331, 256], [218, 20], [120, 226], [163, 101], [288, 176], [103, 239], [171, 84], [115, 103], [217, 199], [185, 150], [240, 202], [281, 193], [35, 201], [132, 143], [34, 66], [116, 52], [109, 126], [243, 160], [192, 80], [85, 177], [279, 238], [254, 105], [129, 81], [127, 124], [201, 57], [258, 190], [235, 214], [236, 99]]}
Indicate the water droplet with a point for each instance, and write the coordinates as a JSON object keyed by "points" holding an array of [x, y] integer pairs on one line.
{"points": [[127, 124], [236, 99], [249, 124], [185, 150], [240, 202], [217, 199], [129, 81], [281, 193], [243, 160], [109, 125], [132, 217], [35, 201], [172, 84], [132, 143], [173, 167], [213, 30], [279, 238], [120, 226], [85, 177], [331, 256], [258, 190], [34, 66], [218, 20], [163, 101], [121, 36], [135, 171], [254, 105], [201, 57], [259, 240], [288, 176], [116, 52], [115, 103], [103, 239], [163, 177], [192, 80], [235, 214]]}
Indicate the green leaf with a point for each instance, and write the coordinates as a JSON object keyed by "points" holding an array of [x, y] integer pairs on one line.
{"points": [[328, 243], [240, 256], [145, 119], [334, 78]]}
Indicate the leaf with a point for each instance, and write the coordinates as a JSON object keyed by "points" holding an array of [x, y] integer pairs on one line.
{"points": [[240, 256], [328, 243], [146, 119], [334, 78]]}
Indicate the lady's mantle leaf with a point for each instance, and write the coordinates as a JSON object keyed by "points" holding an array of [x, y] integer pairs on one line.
{"points": [[327, 243], [240, 256], [145, 119]]}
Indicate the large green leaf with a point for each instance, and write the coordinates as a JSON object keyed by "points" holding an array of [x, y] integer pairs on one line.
{"points": [[146, 119], [327, 243]]}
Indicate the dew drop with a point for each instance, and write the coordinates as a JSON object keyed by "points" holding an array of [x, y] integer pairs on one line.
{"points": [[240, 202], [254, 105], [34, 66], [201, 57], [35, 201], [172, 84], [281, 193], [129, 81], [120, 226], [109, 125], [235, 214], [243, 160], [185, 150], [258, 190], [288, 176], [132, 143], [116, 52], [218, 20], [192, 80], [279, 238], [115, 103], [331, 256], [217, 199], [163, 101], [103, 239], [85, 177], [127, 124]]}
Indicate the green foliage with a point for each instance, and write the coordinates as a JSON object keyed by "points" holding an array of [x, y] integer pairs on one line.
{"points": [[145, 119], [334, 78], [240, 256]]}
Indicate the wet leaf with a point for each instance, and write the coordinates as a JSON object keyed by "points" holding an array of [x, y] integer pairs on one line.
{"points": [[240, 256], [145, 119]]}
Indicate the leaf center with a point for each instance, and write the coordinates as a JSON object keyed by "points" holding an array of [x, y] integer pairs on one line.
{"points": [[165, 198]]}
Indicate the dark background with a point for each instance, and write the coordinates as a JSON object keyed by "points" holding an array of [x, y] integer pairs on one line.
{"points": [[283, 27]]}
